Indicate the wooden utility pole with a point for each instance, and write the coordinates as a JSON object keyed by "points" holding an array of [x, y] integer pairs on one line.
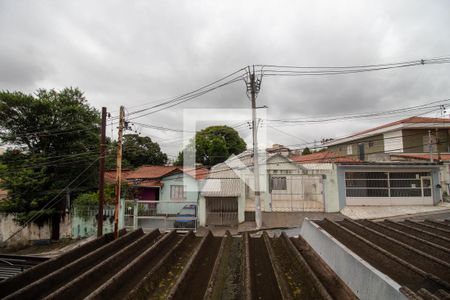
{"points": [[101, 179], [254, 88], [118, 172]]}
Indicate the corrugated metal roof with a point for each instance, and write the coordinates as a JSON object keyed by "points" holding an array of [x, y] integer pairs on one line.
{"points": [[174, 266], [222, 187]]}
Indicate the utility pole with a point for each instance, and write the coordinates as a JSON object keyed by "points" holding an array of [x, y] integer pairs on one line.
{"points": [[253, 86], [101, 179], [118, 172]]}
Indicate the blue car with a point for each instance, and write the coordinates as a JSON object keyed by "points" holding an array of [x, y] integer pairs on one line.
{"points": [[186, 217]]}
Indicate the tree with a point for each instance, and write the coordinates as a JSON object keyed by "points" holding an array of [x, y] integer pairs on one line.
{"points": [[214, 145], [306, 151], [136, 151], [141, 150], [55, 136]]}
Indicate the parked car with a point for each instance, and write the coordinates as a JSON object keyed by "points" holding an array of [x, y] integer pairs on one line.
{"points": [[186, 217]]}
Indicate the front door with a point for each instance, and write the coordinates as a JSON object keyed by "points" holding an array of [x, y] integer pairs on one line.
{"points": [[426, 186]]}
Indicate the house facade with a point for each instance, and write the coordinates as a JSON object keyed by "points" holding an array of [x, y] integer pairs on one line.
{"points": [[400, 163], [410, 135], [228, 197], [351, 182]]}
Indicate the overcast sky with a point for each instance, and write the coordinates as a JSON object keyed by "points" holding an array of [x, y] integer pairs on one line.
{"points": [[135, 52]]}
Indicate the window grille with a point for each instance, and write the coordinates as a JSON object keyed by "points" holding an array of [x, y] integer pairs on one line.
{"points": [[388, 184], [278, 183]]}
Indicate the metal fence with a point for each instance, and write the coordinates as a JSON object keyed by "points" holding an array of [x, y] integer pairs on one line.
{"points": [[165, 215]]}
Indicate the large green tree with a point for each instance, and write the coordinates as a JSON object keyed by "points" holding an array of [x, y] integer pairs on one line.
{"points": [[141, 150], [136, 151], [214, 145], [52, 137]]}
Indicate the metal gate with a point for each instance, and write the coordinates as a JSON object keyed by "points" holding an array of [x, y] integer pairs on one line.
{"points": [[222, 211]]}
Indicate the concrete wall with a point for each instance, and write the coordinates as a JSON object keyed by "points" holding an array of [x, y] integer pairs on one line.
{"points": [[202, 211], [330, 183], [31, 232], [84, 221], [363, 279]]}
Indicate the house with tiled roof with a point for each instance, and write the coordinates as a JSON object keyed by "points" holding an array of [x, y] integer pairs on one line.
{"points": [[159, 193], [148, 181]]}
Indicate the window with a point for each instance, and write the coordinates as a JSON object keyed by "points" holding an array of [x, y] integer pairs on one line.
{"points": [[177, 192], [349, 150], [371, 143], [279, 183]]}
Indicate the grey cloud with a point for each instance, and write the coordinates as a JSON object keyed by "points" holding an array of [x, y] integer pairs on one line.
{"points": [[129, 53]]}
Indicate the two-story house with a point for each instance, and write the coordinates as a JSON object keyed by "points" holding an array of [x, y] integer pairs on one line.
{"points": [[411, 135], [397, 163]]}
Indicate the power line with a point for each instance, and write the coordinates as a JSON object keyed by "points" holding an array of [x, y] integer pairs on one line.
{"points": [[199, 91], [433, 104], [183, 99], [285, 70]]}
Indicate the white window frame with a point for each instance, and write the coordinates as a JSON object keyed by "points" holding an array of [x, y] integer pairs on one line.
{"points": [[349, 149], [175, 193]]}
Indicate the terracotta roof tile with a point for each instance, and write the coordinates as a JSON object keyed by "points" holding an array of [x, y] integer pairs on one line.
{"points": [[152, 172], [323, 157], [198, 173], [110, 176]]}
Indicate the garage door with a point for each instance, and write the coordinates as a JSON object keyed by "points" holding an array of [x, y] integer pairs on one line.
{"points": [[222, 211], [388, 188]]}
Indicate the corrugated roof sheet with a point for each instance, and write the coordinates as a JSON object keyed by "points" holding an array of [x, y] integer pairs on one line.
{"points": [[223, 187]]}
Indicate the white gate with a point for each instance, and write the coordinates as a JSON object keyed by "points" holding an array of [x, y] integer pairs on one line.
{"points": [[292, 193]]}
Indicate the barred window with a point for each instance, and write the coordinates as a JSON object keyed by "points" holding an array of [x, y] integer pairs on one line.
{"points": [[388, 184], [177, 192], [278, 183]]}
